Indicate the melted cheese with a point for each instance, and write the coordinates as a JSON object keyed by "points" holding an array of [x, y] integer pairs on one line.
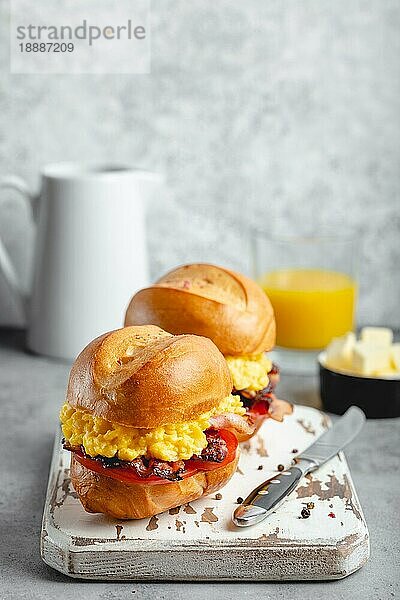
{"points": [[178, 441], [249, 372]]}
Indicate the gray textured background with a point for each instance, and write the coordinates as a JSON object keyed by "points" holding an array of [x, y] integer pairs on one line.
{"points": [[257, 112]]}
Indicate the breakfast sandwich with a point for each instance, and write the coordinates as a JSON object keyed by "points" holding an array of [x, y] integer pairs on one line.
{"points": [[142, 420], [235, 313]]}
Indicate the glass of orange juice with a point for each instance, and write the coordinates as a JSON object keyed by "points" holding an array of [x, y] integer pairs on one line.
{"points": [[311, 282]]}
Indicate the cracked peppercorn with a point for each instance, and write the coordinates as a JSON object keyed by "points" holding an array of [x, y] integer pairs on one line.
{"points": [[305, 513], [280, 467]]}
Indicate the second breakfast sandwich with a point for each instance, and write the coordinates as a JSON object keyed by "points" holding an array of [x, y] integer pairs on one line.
{"points": [[141, 420], [234, 312]]}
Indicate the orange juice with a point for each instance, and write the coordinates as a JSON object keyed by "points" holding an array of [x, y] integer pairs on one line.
{"points": [[311, 306]]}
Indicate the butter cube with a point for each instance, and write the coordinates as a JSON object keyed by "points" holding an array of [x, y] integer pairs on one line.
{"points": [[369, 358], [339, 353], [379, 336], [395, 357], [385, 373]]}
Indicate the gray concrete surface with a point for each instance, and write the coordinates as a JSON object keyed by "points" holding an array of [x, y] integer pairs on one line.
{"points": [[31, 392], [276, 114]]}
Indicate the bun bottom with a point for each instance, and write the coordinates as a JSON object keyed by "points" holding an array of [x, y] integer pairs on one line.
{"points": [[101, 494]]}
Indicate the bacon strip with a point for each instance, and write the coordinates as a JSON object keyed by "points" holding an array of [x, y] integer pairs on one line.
{"points": [[274, 377], [144, 467], [232, 421], [216, 449], [279, 408]]}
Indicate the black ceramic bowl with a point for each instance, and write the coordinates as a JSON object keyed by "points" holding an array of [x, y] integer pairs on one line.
{"points": [[378, 397]]}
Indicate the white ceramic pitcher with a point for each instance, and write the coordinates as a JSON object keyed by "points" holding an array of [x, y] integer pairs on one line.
{"points": [[90, 253]]}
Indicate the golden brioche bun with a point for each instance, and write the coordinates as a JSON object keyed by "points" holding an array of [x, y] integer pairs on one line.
{"points": [[227, 307], [146, 377], [99, 493]]}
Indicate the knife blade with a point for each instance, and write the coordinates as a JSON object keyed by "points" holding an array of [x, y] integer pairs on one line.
{"points": [[267, 497]]}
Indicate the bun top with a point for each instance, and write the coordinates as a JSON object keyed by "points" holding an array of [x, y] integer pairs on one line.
{"points": [[146, 377], [227, 307]]}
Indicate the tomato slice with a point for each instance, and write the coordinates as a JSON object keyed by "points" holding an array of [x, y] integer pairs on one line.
{"points": [[128, 474], [232, 444]]}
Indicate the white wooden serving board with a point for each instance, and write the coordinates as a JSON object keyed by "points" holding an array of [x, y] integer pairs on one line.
{"points": [[198, 541]]}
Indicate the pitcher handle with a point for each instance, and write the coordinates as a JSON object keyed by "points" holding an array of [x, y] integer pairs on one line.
{"points": [[6, 265]]}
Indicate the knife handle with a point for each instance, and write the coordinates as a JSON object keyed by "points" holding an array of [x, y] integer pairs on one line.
{"points": [[268, 496]]}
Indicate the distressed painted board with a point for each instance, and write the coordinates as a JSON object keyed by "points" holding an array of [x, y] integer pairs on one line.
{"points": [[197, 541]]}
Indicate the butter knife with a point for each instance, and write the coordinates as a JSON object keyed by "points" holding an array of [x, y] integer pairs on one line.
{"points": [[268, 496]]}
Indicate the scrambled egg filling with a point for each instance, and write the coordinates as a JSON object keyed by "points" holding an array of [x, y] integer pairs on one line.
{"points": [[178, 441], [249, 372]]}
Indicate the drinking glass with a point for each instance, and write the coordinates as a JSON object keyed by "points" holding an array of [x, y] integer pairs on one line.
{"points": [[311, 283]]}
